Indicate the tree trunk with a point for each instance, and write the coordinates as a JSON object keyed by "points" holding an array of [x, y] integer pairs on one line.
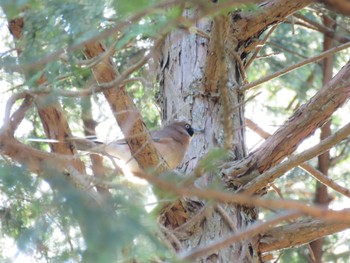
{"points": [[199, 80]]}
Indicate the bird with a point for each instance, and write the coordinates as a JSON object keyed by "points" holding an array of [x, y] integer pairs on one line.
{"points": [[172, 142]]}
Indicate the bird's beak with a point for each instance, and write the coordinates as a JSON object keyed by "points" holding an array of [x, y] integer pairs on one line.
{"points": [[196, 130]]}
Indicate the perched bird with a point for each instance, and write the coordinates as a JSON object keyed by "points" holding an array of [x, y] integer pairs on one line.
{"points": [[171, 141]]}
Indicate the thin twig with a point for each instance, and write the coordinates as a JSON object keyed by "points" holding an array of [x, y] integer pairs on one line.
{"points": [[257, 50], [9, 104], [322, 178], [323, 29], [295, 66], [19, 114]]}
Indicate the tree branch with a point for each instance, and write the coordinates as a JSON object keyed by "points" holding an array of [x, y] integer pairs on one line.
{"points": [[272, 12], [324, 29], [298, 234], [128, 117], [322, 178], [305, 120], [269, 176], [248, 200], [295, 66]]}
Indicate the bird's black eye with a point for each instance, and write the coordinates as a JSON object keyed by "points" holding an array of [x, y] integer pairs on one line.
{"points": [[189, 129]]}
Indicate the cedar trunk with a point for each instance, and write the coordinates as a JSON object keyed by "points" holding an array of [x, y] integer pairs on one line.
{"points": [[199, 81]]}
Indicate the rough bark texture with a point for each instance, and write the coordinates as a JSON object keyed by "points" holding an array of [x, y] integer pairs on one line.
{"points": [[183, 66], [297, 234], [196, 76], [305, 120]]}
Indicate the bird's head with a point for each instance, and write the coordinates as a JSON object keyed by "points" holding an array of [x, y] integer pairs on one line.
{"points": [[184, 128]]}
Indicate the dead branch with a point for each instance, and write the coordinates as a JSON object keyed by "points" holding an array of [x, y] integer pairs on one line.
{"points": [[324, 179]]}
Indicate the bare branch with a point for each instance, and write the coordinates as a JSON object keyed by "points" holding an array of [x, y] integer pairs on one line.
{"points": [[257, 50], [252, 26], [295, 66], [128, 117], [323, 29], [322, 178]]}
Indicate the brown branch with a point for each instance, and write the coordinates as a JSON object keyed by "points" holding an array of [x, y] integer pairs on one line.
{"points": [[54, 121], [272, 12], [8, 120], [305, 120], [38, 162], [126, 113], [19, 115], [248, 200], [298, 234], [324, 29], [340, 6], [30, 157], [295, 66], [226, 217], [257, 50], [322, 178], [269, 176]]}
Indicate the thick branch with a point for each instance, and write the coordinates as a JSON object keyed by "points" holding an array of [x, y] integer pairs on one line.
{"points": [[300, 125], [273, 11], [322, 178], [272, 174], [297, 234]]}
